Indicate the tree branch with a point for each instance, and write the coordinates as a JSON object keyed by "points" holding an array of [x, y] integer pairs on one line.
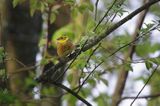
{"points": [[93, 42], [142, 97], [69, 90], [96, 40], [90, 44]]}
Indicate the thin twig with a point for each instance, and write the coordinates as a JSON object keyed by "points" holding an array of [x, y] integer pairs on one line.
{"points": [[92, 54], [24, 69], [79, 80], [111, 53], [142, 97], [144, 85], [115, 14], [88, 61], [18, 61], [88, 76], [80, 86], [96, 5], [126, 61], [104, 16], [71, 92]]}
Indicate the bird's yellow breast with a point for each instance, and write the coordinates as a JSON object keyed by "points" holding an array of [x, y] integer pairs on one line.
{"points": [[64, 47]]}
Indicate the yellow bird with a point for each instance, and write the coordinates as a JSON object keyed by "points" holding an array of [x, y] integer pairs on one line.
{"points": [[64, 46]]}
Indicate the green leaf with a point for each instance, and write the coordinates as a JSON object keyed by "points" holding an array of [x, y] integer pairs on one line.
{"points": [[146, 28], [155, 60], [15, 2], [69, 1], [122, 40], [154, 48], [53, 17], [90, 25], [84, 92], [72, 100], [147, 47], [92, 82], [84, 6], [29, 82], [148, 64], [155, 9], [142, 50], [43, 42], [104, 81], [100, 102], [128, 67], [74, 12], [33, 6], [70, 78], [2, 54], [44, 61], [6, 97], [50, 1]]}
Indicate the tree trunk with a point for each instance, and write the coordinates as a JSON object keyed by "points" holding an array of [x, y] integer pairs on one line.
{"points": [[20, 38]]}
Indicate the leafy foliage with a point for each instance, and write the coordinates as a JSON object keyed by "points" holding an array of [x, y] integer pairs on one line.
{"points": [[149, 62], [6, 97], [146, 48]]}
